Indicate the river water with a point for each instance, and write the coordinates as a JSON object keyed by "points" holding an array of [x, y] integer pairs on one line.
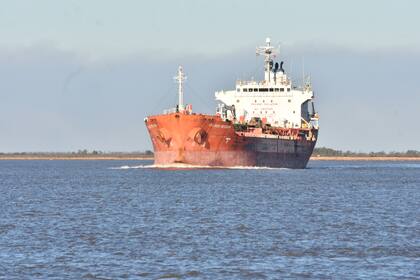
{"points": [[128, 220]]}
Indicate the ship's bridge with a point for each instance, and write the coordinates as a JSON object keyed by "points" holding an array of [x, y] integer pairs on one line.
{"points": [[283, 84], [273, 100]]}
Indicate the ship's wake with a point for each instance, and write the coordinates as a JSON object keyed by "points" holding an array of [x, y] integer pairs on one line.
{"points": [[180, 166]]}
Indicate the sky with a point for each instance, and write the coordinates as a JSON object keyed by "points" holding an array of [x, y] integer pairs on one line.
{"points": [[84, 74]]}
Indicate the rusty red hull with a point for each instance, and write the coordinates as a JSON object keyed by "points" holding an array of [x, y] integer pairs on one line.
{"points": [[207, 140]]}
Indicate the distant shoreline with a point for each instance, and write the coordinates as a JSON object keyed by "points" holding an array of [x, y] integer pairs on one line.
{"points": [[366, 158], [146, 157], [74, 157]]}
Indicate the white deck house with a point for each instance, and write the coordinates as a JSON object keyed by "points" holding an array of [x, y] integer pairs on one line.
{"points": [[273, 100]]}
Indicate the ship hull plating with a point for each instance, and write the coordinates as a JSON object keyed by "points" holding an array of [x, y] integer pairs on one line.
{"points": [[206, 140]]}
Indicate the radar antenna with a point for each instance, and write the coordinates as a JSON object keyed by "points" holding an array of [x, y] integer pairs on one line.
{"points": [[269, 52]]}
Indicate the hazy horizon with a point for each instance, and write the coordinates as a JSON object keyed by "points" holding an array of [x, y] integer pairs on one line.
{"points": [[73, 76]]}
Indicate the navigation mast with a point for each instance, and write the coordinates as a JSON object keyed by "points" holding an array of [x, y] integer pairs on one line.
{"points": [[180, 78], [269, 53]]}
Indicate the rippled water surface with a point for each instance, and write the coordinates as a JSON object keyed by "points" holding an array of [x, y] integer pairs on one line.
{"points": [[123, 219]]}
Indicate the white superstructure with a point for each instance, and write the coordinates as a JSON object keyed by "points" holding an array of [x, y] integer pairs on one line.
{"points": [[274, 100]]}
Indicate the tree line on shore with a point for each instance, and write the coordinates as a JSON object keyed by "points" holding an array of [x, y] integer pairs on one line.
{"points": [[328, 152], [322, 152], [81, 153]]}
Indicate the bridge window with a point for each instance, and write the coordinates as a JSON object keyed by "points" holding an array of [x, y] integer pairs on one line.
{"points": [[255, 89], [271, 89], [281, 89], [250, 90], [263, 89], [288, 89], [276, 89], [245, 90]]}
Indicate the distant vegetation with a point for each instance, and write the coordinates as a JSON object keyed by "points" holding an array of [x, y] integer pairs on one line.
{"points": [[80, 153], [318, 152], [327, 152], [95, 152]]}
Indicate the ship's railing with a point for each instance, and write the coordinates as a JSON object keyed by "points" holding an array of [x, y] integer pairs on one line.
{"points": [[281, 81], [280, 133], [186, 111], [169, 111]]}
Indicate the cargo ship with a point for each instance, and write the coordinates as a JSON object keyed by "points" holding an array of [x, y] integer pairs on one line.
{"points": [[267, 123]]}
